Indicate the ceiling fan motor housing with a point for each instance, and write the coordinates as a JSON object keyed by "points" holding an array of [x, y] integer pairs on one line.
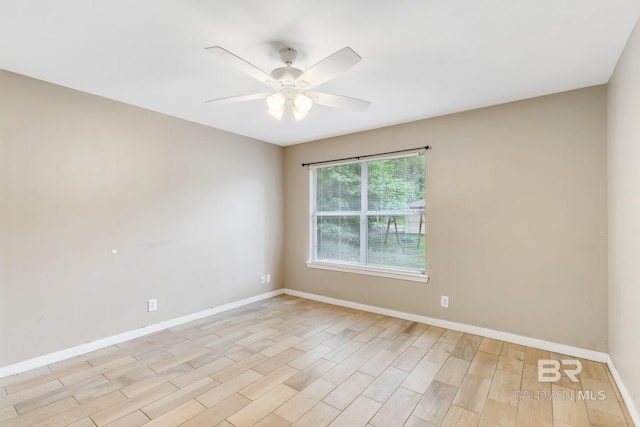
{"points": [[286, 76]]}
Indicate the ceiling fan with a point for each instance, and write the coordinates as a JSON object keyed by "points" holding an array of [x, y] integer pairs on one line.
{"points": [[291, 87]]}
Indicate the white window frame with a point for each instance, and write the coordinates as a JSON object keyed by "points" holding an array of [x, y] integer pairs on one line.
{"points": [[380, 271]]}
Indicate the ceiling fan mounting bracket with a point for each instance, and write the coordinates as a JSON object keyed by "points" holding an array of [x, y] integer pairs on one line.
{"points": [[288, 55]]}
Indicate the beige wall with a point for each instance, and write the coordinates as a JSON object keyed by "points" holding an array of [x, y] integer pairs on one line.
{"points": [[516, 218], [195, 214], [624, 215]]}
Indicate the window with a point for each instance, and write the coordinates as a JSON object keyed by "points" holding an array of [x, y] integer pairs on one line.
{"points": [[368, 217]]}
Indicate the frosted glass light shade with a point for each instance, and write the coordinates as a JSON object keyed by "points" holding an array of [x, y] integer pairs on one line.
{"points": [[276, 102], [302, 103], [297, 115]]}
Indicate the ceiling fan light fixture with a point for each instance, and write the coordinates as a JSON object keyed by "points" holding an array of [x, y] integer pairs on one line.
{"points": [[298, 115], [276, 114], [276, 102], [302, 103]]}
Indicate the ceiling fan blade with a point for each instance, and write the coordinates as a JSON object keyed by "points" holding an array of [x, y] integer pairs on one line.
{"points": [[240, 64], [241, 98], [338, 101], [328, 68]]}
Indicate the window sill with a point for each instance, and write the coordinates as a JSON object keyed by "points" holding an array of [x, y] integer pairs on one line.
{"points": [[371, 271]]}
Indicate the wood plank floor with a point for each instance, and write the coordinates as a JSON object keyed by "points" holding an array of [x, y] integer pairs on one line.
{"points": [[288, 361]]}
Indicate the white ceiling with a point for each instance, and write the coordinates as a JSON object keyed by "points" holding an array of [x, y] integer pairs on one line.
{"points": [[420, 58]]}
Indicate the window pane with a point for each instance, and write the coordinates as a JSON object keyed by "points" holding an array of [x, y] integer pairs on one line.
{"points": [[338, 188], [396, 241], [394, 192], [338, 238], [395, 184]]}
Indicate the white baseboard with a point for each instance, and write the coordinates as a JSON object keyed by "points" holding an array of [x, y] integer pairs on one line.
{"points": [[489, 333], [57, 356], [632, 406]]}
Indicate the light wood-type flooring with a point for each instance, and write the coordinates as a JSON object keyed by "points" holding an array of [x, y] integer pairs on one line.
{"points": [[290, 361]]}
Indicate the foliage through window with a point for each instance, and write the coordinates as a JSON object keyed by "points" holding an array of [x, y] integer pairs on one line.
{"points": [[370, 213]]}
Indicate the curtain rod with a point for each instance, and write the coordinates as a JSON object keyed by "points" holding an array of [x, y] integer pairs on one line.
{"points": [[426, 147]]}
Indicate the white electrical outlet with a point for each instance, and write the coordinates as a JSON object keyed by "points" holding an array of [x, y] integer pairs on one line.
{"points": [[152, 304], [444, 301], [268, 278], [264, 279]]}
